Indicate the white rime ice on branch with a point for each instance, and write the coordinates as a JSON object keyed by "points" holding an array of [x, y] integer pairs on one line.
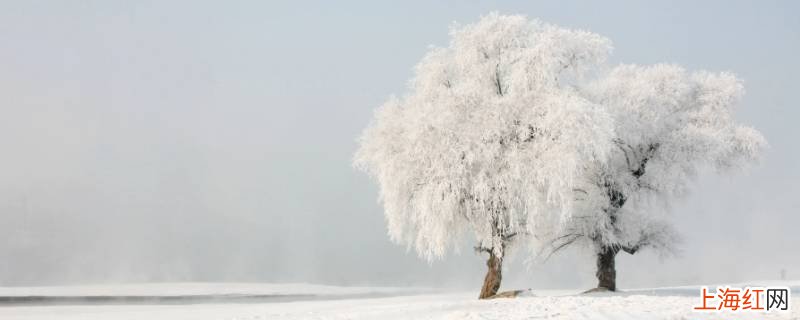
{"points": [[669, 123], [491, 138], [518, 131]]}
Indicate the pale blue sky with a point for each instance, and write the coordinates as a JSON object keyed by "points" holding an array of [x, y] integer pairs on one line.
{"points": [[204, 140]]}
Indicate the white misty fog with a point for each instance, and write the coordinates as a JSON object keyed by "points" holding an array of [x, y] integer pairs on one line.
{"points": [[190, 141]]}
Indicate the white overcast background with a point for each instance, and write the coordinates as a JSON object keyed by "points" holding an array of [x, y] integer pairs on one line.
{"points": [[212, 141]]}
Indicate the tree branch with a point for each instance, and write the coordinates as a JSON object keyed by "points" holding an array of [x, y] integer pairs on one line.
{"points": [[497, 80], [574, 238], [630, 250]]}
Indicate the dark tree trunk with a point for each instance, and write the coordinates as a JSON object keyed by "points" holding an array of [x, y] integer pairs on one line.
{"points": [[606, 270], [494, 274]]}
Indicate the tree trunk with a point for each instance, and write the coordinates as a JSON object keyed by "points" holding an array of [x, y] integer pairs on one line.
{"points": [[606, 270], [494, 274]]}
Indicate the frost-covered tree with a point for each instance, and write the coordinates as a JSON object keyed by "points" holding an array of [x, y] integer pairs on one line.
{"points": [[669, 124], [490, 138]]}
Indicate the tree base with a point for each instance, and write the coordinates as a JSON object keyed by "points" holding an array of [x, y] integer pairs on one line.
{"points": [[511, 294], [606, 269], [494, 275], [598, 290]]}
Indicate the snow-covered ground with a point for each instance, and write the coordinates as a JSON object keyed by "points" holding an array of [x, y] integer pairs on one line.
{"points": [[374, 303]]}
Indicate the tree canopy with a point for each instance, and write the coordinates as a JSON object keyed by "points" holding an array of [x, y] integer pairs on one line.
{"points": [[491, 136]]}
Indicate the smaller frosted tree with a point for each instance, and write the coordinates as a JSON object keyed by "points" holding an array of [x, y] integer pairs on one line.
{"points": [[669, 124], [490, 139]]}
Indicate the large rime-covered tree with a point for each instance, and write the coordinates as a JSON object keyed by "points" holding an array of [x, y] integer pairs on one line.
{"points": [[669, 124], [490, 138]]}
